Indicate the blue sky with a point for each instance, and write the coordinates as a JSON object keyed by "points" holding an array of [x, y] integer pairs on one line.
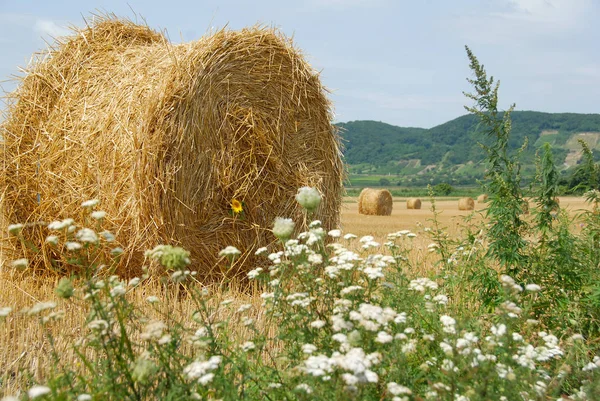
{"points": [[400, 62]]}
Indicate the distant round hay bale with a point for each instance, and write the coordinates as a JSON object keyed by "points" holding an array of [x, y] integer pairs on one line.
{"points": [[166, 136], [466, 204], [413, 203], [377, 202], [482, 198]]}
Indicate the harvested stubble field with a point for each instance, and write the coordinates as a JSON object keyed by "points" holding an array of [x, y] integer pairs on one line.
{"points": [[405, 219], [23, 345]]}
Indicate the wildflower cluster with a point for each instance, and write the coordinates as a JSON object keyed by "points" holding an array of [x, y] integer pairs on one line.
{"points": [[338, 320]]}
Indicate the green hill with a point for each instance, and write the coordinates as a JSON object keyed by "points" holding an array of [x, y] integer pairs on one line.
{"points": [[451, 152]]}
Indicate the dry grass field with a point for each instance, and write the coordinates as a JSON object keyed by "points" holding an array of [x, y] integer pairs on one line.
{"points": [[22, 343], [404, 219]]}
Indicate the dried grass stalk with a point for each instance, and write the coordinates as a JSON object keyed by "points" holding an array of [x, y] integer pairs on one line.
{"points": [[482, 198], [413, 203], [377, 202], [166, 136], [466, 204]]}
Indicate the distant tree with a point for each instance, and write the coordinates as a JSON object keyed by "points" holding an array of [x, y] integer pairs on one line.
{"points": [[587, 175], [384, 182], [443, 189]]}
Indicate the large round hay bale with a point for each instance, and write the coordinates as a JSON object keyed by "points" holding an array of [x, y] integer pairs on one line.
{"points": [[376, 202], [482, 198], [413, 203], [466, 204], [166, 136]]}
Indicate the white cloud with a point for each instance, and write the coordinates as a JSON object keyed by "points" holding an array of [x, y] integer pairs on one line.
{"points": [[408, 102], [50, 28], [512, 21], [346, 3], [558, 14]]}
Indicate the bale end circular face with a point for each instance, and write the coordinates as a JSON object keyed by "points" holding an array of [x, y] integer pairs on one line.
{"points": [[375, 202], [199, 144], [413, 203], [466, 204]]}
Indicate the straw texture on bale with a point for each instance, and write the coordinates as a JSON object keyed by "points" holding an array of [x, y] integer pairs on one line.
{"points": [[166, 136], [466, 204], [413, 203], [376, 202], [482, 198]]}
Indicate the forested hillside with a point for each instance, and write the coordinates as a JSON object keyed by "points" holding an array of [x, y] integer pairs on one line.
{"points": [[453, 150]]}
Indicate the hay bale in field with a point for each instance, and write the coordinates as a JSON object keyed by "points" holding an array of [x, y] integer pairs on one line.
{"points": [[482, 198], [167, 136], [413, 203], [466, 204], [376, 202]]}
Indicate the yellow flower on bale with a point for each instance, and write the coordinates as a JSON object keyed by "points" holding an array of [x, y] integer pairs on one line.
{"points": [[236, 206]]}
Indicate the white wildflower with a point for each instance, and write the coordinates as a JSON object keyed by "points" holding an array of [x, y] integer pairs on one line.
{"points": [[318, 365], [40, 307], [248, 346], [315, 258], [397, 389], [422, 284], [446, 348], [152, 299], [15, 229], [533, 288], [38, 391], [108, 236], [350, 236], [153, 330], [134, 282], [200, 369], [409, 347], [98, 215], [335, 233], [308, 348], [304, 387], [383, 337], [60, 225], [99, 325], [309, 198], [448, 324], [252, 274], [261, 250], [5, 311], [577, 337], [229, 251], [117, 291], [90, 203], [283, 228], [441, 299], [72, 246], [205, 379], [20, 263], [317, 324], [499, 330], [52, 240]]}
